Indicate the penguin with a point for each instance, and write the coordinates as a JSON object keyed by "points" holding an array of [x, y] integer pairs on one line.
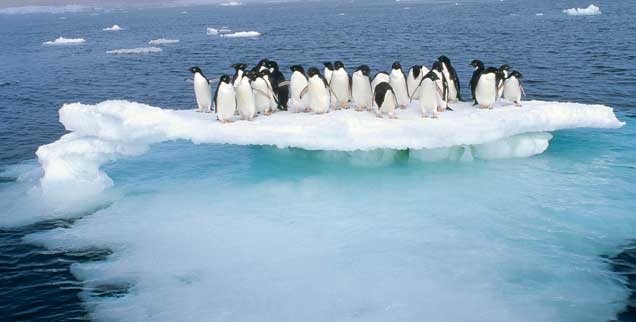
{"points": [[318, 91], [361, 91], [340, 85], [273, 103], [413, 79], [512, 89], [202, 90], [380, 77], [442, 84], [398, 83], [486, 88], [386, 100], [429, 95], [245, 103], [454, 87], [328, 70], [225, 100], [239, 71], [260, 66], [503, 74], [298, 81], [479, 67], [279, 85], [262, 93]]}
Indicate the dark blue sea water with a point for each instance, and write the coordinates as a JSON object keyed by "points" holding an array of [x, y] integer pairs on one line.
{"points": [[304, 236]]}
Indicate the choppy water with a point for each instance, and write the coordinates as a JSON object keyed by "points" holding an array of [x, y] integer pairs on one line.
{"points": [[243, 233]]}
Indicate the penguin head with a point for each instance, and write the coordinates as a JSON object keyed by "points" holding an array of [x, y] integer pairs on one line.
{"points": [[504, 67], [264, 72], [251, 75], [477, 64], [444, 59], [262, 62], [338, 64], [437, 66], [225, 79], [194, 70], [365, 69], [328, 65], [297, 68], [313, 71], [396, 65], [417, 69], [515, 74], [272, 65], [432, 76], [239, 66]]}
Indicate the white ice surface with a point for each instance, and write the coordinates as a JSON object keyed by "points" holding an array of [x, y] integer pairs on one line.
{"points": [[591, 10], [113, 28], [242, 34], [113, 129], [163, 41], [133, 51], [65, 41]]}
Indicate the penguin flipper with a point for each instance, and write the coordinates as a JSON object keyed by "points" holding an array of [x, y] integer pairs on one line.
{"points": [[304, 91], [259, 92], [522, 90], [284, 83], [212, 80]]}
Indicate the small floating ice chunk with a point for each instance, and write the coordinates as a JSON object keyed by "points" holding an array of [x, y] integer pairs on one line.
{"points": [[539, 14], [163, 41], [131, 51], [113, 28], [230, 4], [591, 10], [212, 31], [65, 41], [242, 34]]}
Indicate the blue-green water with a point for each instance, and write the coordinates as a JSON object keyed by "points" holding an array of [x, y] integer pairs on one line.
{"points": [[217, 233]]}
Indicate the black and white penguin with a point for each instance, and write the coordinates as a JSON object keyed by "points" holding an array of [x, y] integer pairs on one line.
{"points": [[273, 98], [454, 87], [398, 83], [202, 90], [486, 89], [386, 100], [260, 66], [442, 83], [245, 101], [380, 77], [361, 92], [513, 89], [478, 68], [239, 71], [340, 86], [318, 91], [413, 79], [298, 82], [429, 95], [328, 70], [279, 85], [262, 93], [225, 99], [503, 74]]}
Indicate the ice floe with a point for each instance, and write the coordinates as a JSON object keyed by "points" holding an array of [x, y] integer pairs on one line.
{"points": [[113, 28], [591, 10], [163, 41], [133, 51], [114, 129], [230, 4], [242, 34], [65, 41]]}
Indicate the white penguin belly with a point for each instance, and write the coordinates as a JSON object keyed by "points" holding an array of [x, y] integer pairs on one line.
{"points": [[398, 83], [225, 102], [512, 90], [203, 92], [261, 95], [412, 83], [429, 97], [361, 90], [389, 104], [486, 91], [270, 90], [340, 87], [298, 82], [245, 99], [318, 95], [500, 87]]}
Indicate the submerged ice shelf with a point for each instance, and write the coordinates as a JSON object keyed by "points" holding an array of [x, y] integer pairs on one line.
{"points": [[113, 129]]}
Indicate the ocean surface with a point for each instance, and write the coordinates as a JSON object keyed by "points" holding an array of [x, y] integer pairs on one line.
{"points": [[236, 233]]}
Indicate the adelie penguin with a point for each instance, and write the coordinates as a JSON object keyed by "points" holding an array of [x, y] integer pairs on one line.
{"points": [[512, 89], [328, 71], [279, 85], [225, 100], [380, 77], [318, 91], [298, 81], [239, 71], [262, 93], [454, 87], [273, 98], [260, 66], [413, 79], [478, 68], [202, 90], [503, 74], [442, 84], [486, 89], [361, 91], [429, 95], [398, 83], [340, 86], [386, 100], [245, 102]]}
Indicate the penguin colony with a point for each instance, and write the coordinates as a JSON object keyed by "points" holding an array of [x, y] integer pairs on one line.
{"points": [[264, 90]]}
